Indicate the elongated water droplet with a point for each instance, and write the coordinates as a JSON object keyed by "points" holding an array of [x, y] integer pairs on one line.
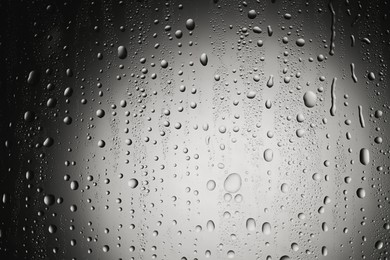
{"points": [[364, 156], [333, 29], [268, 155], [266, 228], [333, 97], [361, 117], [210, 226], [353, 73], [250, 224], [203, 59], [122, 52]]}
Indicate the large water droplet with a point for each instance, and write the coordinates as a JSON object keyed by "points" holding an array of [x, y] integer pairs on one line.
{"points": [[232, 183], [250, 224], [364, 156], [266, 228], [310, 99], [203, 59], [268, 155]]}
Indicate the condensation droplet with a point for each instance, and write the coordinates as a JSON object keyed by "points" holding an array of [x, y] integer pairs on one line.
{"points": [[232, 183], [310, 99], [250, 224]]}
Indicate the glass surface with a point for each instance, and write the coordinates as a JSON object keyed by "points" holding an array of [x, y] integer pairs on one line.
{"points": [[194, 130]]}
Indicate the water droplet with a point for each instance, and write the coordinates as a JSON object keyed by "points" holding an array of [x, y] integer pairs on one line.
{"points": [[133, 183], [379, 244], [33, 77], [371, 76], [122, 52], [252, 14], [49, 199], [100, 113], [231, 254], [190, 24], [48, 142], [251, 94], [266, 228], [210, 226], [300, 42], [232, 183], [361, 193], [211, 185], [268, 155], [203, 59], [284, 188], [364, 156], [250, 224], [310, 99]]}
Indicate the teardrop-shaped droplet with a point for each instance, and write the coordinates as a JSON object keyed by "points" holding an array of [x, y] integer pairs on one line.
{"points": [[270, 81]]}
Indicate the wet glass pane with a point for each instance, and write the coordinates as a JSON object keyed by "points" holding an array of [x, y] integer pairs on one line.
{"points": [[203, 129]]}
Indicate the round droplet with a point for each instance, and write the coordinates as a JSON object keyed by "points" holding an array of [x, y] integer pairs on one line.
{"points": [[294, 247], [122, 52], [268, 155], [251, 94], [133, 183], [250, 224], [266, 228], [164, 64], [232, 183], [231, 254], [285, 257], [100, 113], [310, 99], [67, 120], [190, 24], [106, 248], [364, 156], [300, 42], [211, 185], [49, 199], [252, 14], [101, 143], [361, 193], [179, 34], [203, 59]]}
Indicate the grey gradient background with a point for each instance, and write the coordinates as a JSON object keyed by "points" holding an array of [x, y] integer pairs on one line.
{"points": [[158, 219]]}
